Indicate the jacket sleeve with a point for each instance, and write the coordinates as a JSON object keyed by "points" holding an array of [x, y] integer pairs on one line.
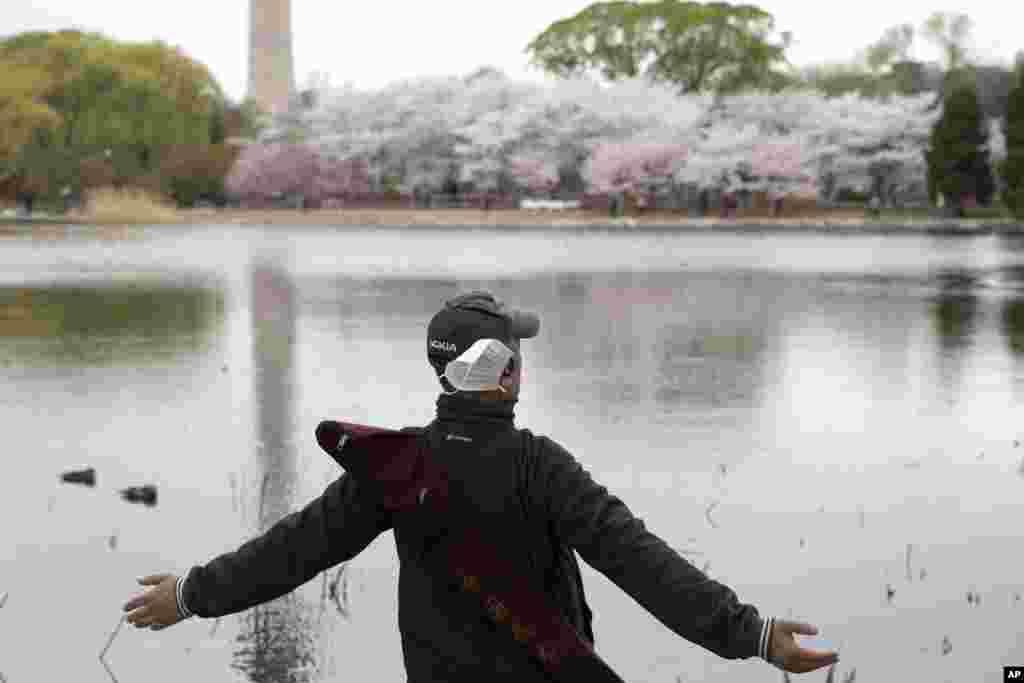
{"points": [[613, 541], [334, 528]]}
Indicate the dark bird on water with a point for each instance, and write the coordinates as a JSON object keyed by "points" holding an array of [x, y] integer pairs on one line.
{"points": [[140, 494], [86, 477]]}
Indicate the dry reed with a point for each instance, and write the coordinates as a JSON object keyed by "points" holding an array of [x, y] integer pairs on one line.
{"points": [[109, 206]]}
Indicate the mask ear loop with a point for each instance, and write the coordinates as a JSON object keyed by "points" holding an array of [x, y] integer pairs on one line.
{"points": [[444, 384], [507, 372]]}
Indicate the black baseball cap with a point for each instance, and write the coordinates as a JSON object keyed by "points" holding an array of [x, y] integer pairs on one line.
{"points": [[472, 316]]}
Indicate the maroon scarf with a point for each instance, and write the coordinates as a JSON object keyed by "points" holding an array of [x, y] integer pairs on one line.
{"points": [[397, 466]]}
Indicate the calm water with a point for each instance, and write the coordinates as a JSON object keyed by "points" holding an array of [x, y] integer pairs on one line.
{"points": [[832, 400]]}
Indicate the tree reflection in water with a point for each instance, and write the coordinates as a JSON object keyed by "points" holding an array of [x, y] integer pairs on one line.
{"points": [[1013, 333], [109, 324], [955, 310], [277, 641], [955, 315], [1013, 325]]}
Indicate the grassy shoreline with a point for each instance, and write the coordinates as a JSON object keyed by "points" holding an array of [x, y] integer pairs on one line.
{"points": [[526, 219]]}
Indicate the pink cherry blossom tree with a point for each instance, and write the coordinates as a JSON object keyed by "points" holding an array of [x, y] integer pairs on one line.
{"points": [[534, 174], [337, 178], [267, 171], [781, 168], [614, 167]]}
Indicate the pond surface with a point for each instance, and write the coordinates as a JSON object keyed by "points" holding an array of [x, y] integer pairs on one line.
{"points": [[830, 425]]}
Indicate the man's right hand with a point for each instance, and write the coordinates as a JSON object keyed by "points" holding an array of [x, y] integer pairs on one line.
{"points": [[157, 608], [786, 653]]}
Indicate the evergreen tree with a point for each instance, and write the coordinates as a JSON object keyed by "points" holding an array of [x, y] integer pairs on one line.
{"points": [[1013, 166], [957, 154]]}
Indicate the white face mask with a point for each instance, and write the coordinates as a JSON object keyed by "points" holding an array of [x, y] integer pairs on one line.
{"points": [[480, 367]]}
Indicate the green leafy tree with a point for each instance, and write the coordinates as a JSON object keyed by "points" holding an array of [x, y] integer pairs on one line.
{"points": [[695, 47], [191, 173], [952, 34], [892, 47], [910, 77], [21, 114], [69, 96], [247, 120], [45, 167], [1012, 169], [835, 80], [390, 185], [880, 70], [957, 155]]}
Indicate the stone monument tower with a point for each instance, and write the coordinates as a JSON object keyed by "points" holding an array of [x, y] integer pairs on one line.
{"points": [[271, 71]]}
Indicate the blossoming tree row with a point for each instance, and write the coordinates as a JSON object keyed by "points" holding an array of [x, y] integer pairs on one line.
{"points": [[490, 128]]}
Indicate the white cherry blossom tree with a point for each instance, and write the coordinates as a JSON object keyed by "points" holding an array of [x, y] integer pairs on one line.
{"points": [[495, 132]]}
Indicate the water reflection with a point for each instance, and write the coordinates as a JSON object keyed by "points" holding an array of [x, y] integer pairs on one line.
{"points": [[955, 314], [955, 309], [1013, 325], [707, 366], [1012, 319], [1013, 310], [100, 325], [836, 343], [277, 640], [652, 336], [358, 300]]}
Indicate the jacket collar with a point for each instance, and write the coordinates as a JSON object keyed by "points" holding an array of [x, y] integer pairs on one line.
{"points": [[462, 407]]}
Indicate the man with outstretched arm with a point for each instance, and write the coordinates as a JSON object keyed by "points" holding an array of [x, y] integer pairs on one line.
{"points": [[527, 493]]}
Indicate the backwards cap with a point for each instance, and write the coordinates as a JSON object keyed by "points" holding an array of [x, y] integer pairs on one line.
{"points": [[470, 317]]}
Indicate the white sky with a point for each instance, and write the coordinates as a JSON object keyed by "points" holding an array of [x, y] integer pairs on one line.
{"points": [[371, 44]]}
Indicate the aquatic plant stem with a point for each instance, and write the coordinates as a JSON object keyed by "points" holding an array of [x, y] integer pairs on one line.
{"points": [[110, 641], [707, 514]]}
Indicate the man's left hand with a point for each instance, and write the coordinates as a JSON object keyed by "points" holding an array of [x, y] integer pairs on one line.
{"points": [[786, 653]]}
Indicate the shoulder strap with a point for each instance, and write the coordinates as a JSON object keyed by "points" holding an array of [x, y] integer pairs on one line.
{"points": [[399, 465]]}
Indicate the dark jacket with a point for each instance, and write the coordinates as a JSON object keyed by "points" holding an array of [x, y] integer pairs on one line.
{"points": [[532, 497]]}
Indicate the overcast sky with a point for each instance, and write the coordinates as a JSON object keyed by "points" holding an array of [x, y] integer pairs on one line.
{"points": [[371, 44]]}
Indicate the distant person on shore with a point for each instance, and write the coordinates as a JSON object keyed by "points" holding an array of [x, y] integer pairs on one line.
{"points": [[728, 206], [27, 201], [65, 197], [875, 206], [530, 495]]}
